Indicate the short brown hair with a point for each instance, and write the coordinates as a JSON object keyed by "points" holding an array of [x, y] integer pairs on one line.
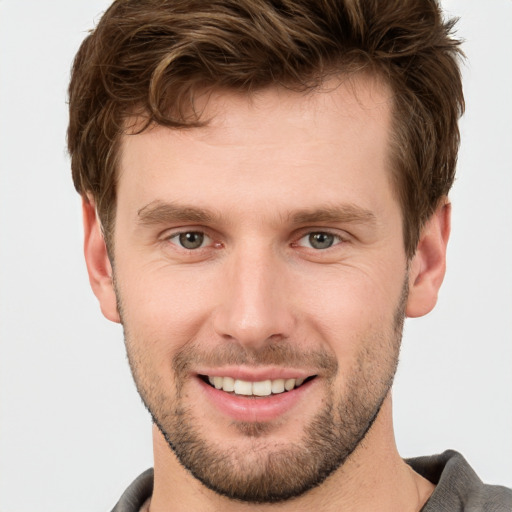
{"points": [[149, 57]]}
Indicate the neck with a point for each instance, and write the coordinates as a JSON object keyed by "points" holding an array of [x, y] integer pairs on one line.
{"points": [[374, 477]]}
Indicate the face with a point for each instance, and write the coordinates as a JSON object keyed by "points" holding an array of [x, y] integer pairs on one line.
{"points": [[261, 281]]}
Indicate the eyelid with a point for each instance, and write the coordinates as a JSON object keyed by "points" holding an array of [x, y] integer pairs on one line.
{"points": [[169, 232]]}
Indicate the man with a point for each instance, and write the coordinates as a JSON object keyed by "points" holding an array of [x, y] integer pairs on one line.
{"points": [[265, 199]]}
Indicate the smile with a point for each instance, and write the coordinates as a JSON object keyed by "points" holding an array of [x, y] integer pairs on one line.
{"points": [[261, 388]]}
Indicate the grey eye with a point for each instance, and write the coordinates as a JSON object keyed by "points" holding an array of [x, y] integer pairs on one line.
{"points": [[191, 239], [321, 240]]}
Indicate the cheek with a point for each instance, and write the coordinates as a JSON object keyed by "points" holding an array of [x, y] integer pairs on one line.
{"points": [[162, 311], [350, 306]]}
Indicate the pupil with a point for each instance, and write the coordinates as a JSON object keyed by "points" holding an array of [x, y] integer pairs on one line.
{"points": [[321, 240], [191, 240]]}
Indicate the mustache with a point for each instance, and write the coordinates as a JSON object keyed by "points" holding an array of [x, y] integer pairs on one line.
{"points": [[272, 354]]}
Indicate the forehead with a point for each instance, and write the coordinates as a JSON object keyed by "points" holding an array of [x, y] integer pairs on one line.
{"points": [[257, 147], [353, 99]]}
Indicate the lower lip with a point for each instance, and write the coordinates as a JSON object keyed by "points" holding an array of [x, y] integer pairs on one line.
{"points": [[255, 409]]}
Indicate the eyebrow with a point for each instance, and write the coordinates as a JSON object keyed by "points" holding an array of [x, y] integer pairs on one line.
{"points": [[159, 212], [344, 213]]}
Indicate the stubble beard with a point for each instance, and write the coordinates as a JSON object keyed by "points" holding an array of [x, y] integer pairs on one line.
{"points": [[270, 472]]}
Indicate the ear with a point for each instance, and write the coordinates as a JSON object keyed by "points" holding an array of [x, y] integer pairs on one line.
{"points": [[427, 267], [98, 263]]}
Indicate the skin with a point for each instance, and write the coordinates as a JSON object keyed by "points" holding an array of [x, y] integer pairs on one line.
{"points": [[269, 170]]}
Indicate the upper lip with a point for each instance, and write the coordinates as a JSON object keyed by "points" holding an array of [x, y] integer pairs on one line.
{"points": [[256, 374]]}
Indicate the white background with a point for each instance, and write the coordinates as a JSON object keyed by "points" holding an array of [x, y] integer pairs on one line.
{"points": [[73, 433]]}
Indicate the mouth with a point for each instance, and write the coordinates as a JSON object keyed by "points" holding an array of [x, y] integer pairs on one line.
{"points": [[262, 388]]}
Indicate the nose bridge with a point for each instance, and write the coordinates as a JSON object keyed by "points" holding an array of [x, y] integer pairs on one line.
{"points": [[253, 308]]}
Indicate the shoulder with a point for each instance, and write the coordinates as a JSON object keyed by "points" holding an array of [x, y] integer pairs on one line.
{"points": [[458, 487]]}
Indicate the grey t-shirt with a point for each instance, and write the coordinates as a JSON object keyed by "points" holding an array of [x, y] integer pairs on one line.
{"points": [[458, 488]]}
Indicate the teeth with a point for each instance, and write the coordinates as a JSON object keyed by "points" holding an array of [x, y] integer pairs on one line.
{"points": [[243, 387], [289, 384], [261, 388], [278, 386], [228, 384], [217, 382]]}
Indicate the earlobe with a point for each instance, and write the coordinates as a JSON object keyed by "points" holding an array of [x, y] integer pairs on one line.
{"points": [[427, 267], [98, 263]]}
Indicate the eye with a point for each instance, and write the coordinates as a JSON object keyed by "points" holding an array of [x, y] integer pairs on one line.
{"points": [[190, 240], [319, 240]]}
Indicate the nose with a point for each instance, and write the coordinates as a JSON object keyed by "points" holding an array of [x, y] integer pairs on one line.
{"points": [[256, 301]]}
